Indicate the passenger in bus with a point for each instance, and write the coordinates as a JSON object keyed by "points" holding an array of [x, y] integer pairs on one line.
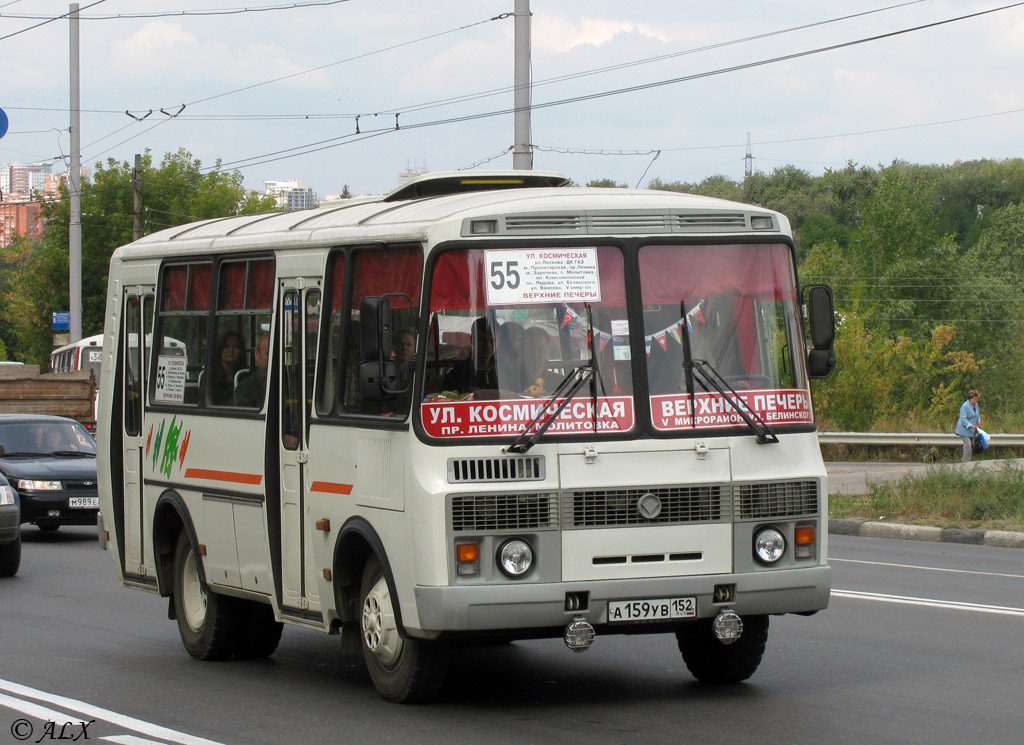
{"points": [[251, 390], [537, 380], [230, 353], [478, 371], [403, 348]]}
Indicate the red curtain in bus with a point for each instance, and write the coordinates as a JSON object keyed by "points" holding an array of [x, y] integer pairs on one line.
{"points": [[200, 287], [379, 271], [261, 285], [670, 274]]}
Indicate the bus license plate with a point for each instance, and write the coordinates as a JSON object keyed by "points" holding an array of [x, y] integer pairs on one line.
{"points": [[662, 609], [83, 503]]}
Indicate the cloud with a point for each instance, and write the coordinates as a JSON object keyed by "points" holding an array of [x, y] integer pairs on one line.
{"points": [[561, 34]]}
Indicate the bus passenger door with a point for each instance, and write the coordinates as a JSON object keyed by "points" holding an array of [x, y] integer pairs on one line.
{"points": [[296, 356], [138, 317]]}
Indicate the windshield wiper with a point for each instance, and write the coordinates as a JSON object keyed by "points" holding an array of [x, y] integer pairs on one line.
{"points": [[73, 453], [24, 454], [569, 387], [710, 378]]}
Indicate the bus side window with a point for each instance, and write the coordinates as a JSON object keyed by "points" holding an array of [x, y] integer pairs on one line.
{"points": [[184, 311], [395, 271]]}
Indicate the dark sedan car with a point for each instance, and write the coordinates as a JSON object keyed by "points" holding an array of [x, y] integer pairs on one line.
{"points": [[10, 530], [51, 463]]}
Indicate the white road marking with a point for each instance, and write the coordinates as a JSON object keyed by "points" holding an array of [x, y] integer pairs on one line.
{"points": [[88, 711], [929, 603], [930, 569]]}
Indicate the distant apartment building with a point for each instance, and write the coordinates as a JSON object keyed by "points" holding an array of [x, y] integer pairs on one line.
{"points": [[20, 219], [24, 178], [411, 171], [292, 194]]}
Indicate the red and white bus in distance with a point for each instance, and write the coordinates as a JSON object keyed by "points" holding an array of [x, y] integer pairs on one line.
{"points": [[485, 406]]}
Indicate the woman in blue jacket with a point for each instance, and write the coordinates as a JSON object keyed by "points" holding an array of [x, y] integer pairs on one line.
{"points": [[967, 424]]}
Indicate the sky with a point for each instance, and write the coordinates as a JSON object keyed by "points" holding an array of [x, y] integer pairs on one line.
{"points": [[275, 91]]}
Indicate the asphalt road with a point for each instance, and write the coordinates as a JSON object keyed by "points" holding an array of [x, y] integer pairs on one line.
{"points": [[923, 643]]}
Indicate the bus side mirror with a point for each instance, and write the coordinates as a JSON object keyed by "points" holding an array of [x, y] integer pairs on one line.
{"points": [[821, 360], [375, 328]]}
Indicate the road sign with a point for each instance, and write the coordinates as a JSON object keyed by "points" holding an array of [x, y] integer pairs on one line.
{"points": [[61, 320], [3, 123]]}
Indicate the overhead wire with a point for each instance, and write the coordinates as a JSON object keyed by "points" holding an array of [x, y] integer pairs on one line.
{"points": [[321, 145], [180, 13], [51, 20]]}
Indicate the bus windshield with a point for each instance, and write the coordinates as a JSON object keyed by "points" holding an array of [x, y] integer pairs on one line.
{"points": [[508, 326], [730, 308]]}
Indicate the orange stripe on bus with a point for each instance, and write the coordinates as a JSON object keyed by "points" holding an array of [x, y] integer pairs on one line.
{"points": [[229, 476], [329, 487]]}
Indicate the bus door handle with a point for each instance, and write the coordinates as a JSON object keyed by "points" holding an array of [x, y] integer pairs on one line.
{"points": [[302, 456]]}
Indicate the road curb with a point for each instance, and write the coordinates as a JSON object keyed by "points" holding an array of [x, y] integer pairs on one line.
{"points": [[1000, 538]]}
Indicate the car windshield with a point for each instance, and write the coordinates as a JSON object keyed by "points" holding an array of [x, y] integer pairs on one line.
{"points": [[46, 437]]}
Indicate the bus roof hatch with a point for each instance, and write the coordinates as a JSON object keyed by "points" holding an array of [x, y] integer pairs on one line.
{"points": [[443, 183]]}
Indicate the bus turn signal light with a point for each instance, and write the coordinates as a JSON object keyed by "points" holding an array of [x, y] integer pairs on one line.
{"points": [[804, 536], [468, 556]]}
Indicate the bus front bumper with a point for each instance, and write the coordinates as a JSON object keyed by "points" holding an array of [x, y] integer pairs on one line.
{"points": [[510, 606]]}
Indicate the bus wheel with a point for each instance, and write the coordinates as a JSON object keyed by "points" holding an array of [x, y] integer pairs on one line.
{"points": [[259, 634], [206, 621], [403, 670], [10, 557], [710, 661]]}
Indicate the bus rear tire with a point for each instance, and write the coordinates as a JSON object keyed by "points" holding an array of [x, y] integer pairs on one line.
{"points": [[403, 670], [710, 661], [207, 622], [259, 634]]}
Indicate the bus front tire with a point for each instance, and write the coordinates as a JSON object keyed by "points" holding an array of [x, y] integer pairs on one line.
{"points": [[403, 670], [207, 621], [710, 661]]}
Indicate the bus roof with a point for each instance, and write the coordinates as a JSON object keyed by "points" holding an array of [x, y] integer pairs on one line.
{"points": [[455, 201]]}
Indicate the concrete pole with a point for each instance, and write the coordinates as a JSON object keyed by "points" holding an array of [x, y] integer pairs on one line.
{"points": [[75, 187], [137, 189], [522, 151]]}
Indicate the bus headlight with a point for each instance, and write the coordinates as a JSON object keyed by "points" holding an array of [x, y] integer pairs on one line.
{"points": [[32, 485], [515, 558], [769, 545]]}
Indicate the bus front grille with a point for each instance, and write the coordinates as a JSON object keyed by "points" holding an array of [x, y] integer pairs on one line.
{"points": [[490, 512], [513, 468], [760, 501], [674, 505]]}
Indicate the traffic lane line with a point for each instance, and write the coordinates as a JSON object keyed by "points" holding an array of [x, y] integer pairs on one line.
{"points": [[87, 710], [832, 559], [929, 603]]}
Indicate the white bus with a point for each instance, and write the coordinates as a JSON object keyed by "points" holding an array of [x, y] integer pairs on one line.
{"points": [[487, 406], [84, 354]]}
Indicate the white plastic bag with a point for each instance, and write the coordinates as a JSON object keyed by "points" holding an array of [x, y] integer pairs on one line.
{"points": [[984, 437]]}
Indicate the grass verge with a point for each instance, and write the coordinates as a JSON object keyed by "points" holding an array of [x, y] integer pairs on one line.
{"points": [[943, 497]]}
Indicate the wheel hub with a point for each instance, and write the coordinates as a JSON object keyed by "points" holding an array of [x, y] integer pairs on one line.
{"points": [[380, 629], [193, 598]]}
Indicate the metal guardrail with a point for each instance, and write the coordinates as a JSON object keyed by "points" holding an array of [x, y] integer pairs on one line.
{"points": [[912, 438]]}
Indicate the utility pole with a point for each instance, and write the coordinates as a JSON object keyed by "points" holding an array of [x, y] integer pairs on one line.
{"points": [[137, 187], [522, 151], [75, 187], [748, 161]]}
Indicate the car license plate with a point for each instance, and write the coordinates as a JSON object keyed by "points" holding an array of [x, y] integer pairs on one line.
{"points": [[662, 609], [83, 503]]}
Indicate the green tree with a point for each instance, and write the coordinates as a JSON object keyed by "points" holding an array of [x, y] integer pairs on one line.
{"points": [[176, 192]]}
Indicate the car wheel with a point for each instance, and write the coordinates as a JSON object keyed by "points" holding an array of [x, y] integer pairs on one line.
{"points": [[207, 622], [403, 670], [10, 557], [710, 661], [259, 633]]}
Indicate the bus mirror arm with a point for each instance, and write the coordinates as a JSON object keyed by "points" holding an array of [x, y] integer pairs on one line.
{"points": [[710, 378], [570, 386]]}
